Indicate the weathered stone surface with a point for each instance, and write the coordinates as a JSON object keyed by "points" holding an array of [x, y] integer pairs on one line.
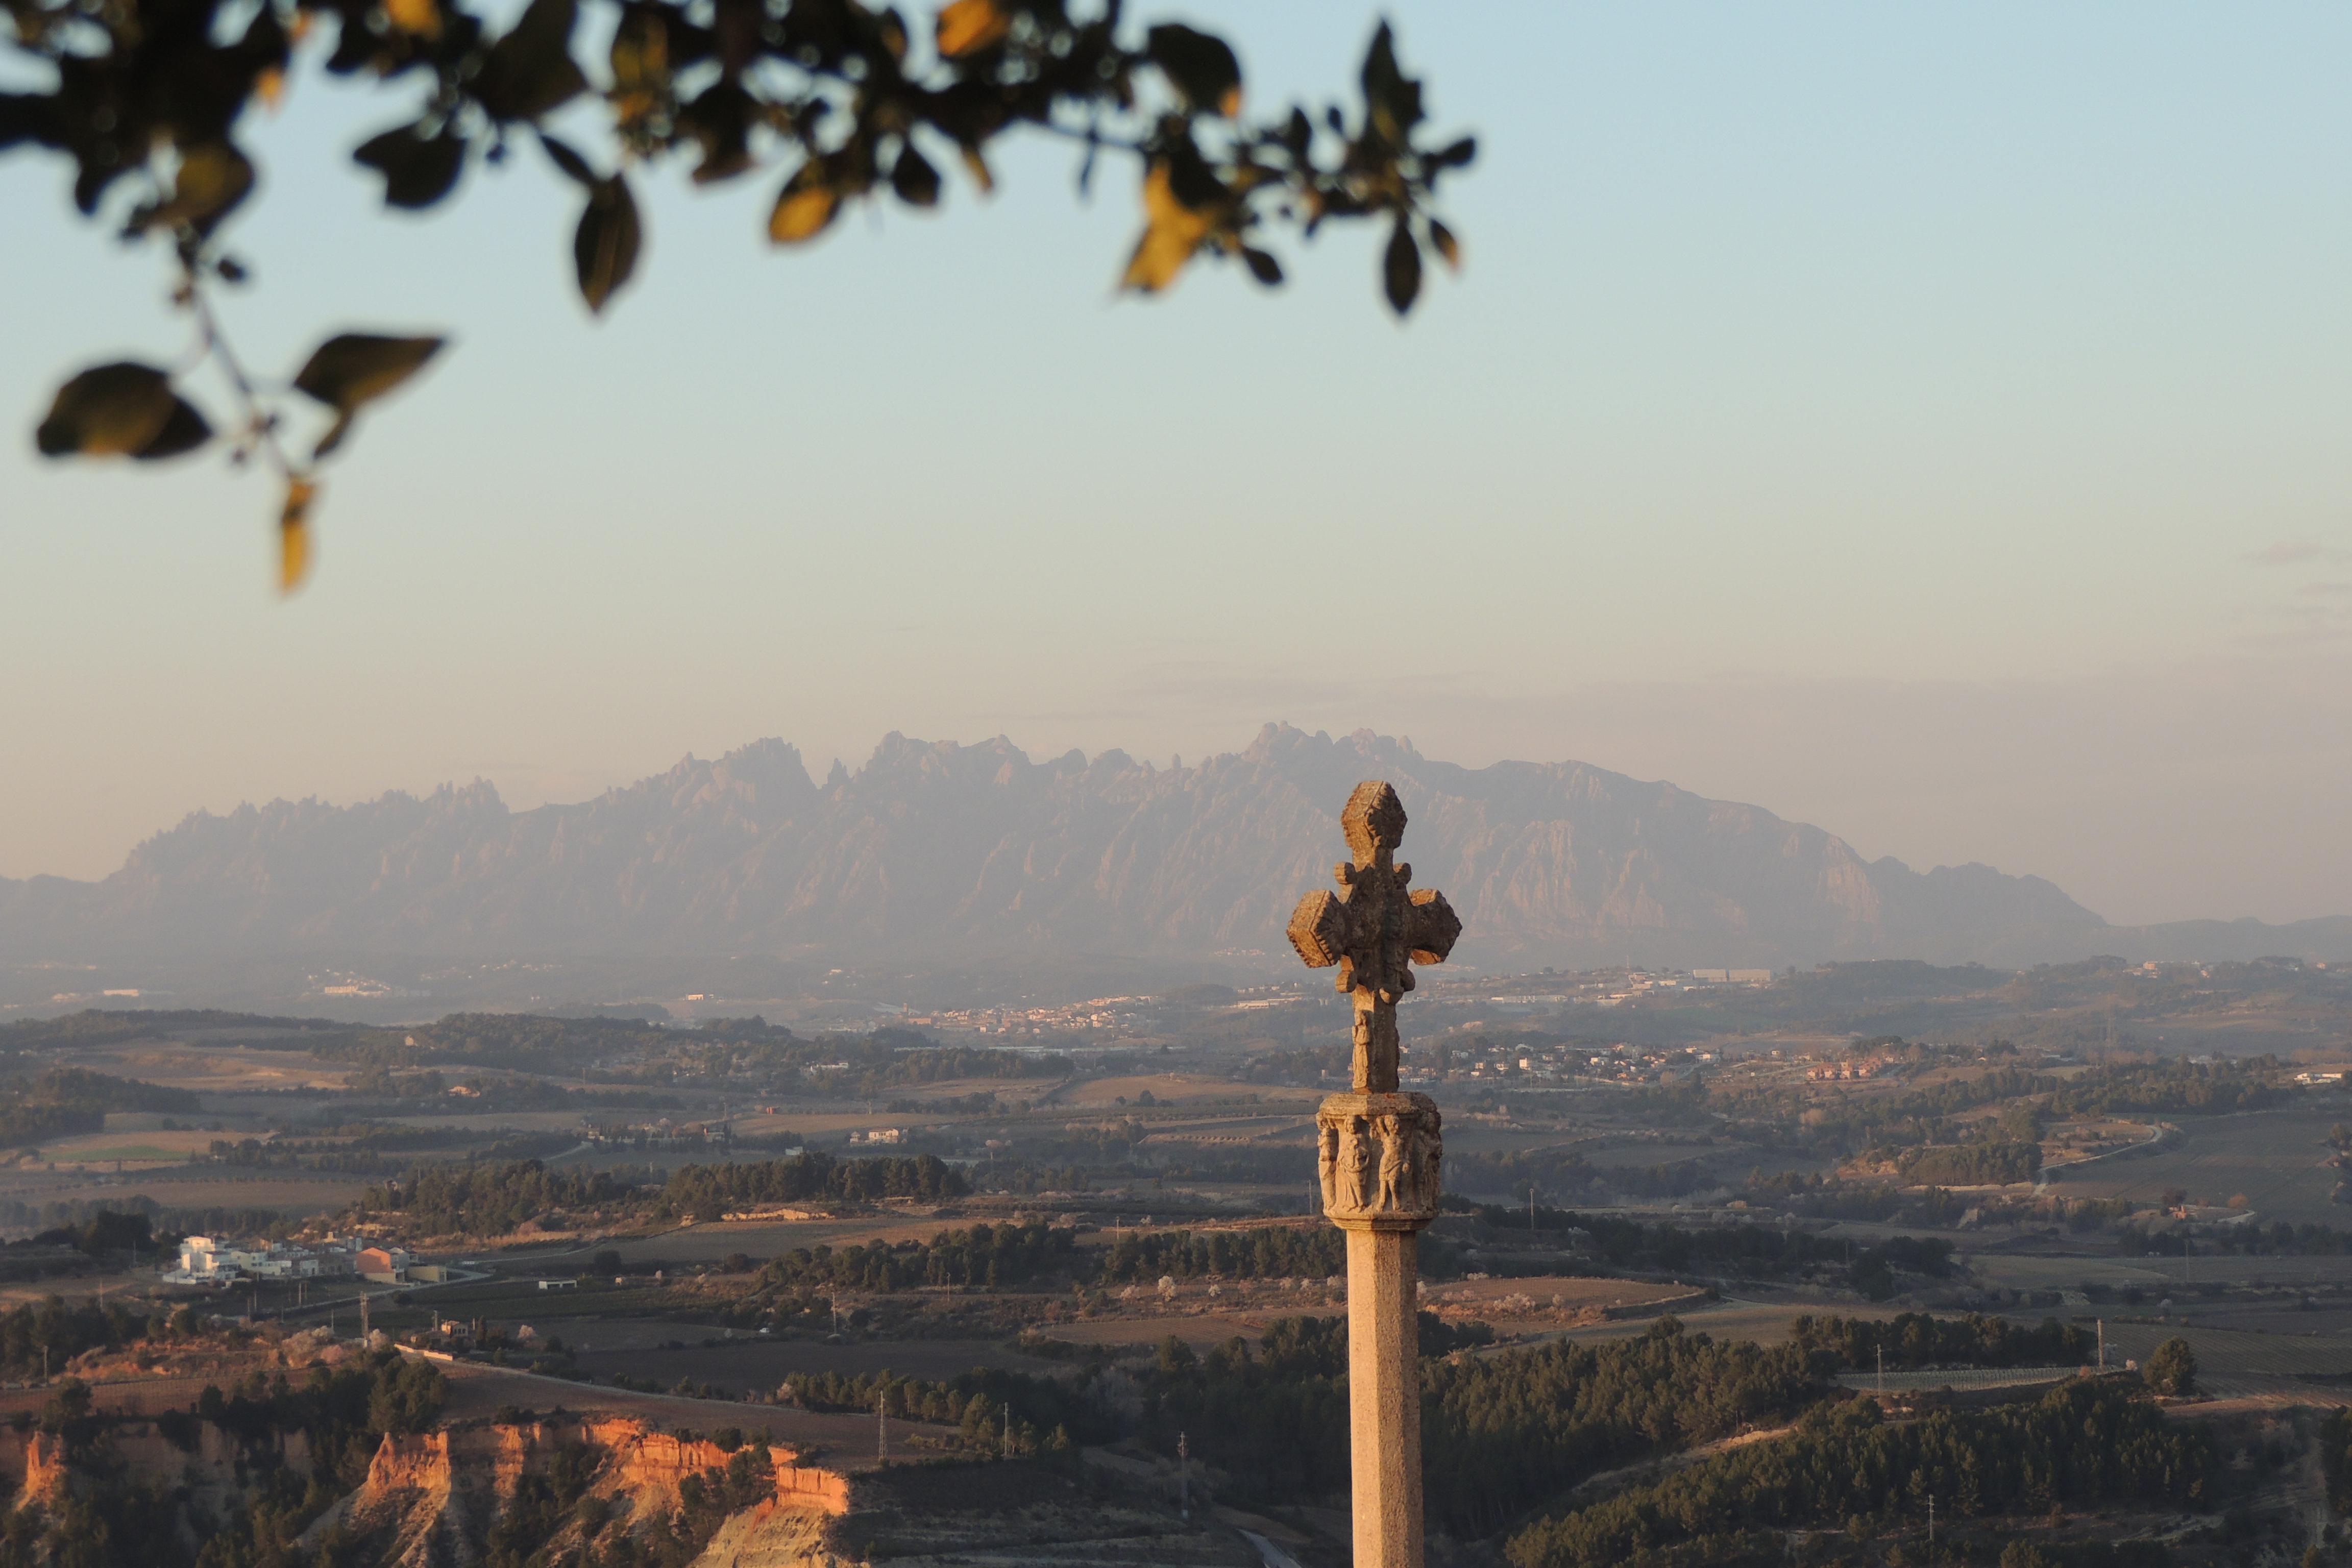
{"points": [[1380, 1158], [1383, 1398], [1375, 930]]}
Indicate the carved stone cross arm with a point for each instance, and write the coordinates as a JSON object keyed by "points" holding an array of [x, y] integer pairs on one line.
{"points": [[1373, 938], [1375, 929]]}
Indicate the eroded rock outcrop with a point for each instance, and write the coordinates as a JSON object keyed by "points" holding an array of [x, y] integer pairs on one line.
{"points": [[430, 1500]]}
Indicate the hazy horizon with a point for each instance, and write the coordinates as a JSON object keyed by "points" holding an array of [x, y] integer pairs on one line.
{"points": [[1925, 425]]}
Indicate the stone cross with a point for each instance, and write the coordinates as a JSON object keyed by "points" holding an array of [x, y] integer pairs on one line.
{"points": [[1378, 1155], [1375, 930]]}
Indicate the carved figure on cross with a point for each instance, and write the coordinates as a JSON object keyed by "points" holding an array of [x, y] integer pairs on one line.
{"points": [[1375, 929]]}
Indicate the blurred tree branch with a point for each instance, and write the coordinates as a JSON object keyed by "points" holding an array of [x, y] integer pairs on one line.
{"points": [[146, 97]]}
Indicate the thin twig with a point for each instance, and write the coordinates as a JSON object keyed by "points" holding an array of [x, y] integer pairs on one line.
{"points": [[262, 423]]}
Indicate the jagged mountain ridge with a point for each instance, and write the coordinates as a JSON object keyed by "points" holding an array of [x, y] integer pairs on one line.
{"points": [[954, 853]]}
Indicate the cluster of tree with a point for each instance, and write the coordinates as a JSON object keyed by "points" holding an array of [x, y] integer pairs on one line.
{"points": [[2083, 1443], [491, 1199], [1273, 1164], [79, 1246], [67, 1100], [1843, 1125], [1816, 1195], [105, 1524], [2172, 1088], [1002, 1172], [1991, 1161], [1306, 1068], [40, 1338], [96, 1026], [707, 1192], [1748, 1251], [104, 1519], [1507, 1431], [517, 1040], [995, 1412], [1261, 1252], [2171, 1368], [740, 1051], [77, 1214], [2280, 1239], [2336, 1458], [344, 1410], [376, 1151], [1915, 1340], [545, 1499], [980, 1256], [1562, 1174], [1500, 1432], [298, 1154]]}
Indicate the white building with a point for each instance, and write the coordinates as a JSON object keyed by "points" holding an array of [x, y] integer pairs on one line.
{"points": [[208, 1260]]}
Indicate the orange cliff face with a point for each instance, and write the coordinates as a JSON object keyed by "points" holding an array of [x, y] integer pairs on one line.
{"points": [[35, 1461], [640, 1463], [431, 1496]]}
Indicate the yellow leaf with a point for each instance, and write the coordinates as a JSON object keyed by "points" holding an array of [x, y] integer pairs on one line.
{"points": [[977, 167], [294, 535], [1172, 233], [418, 18], [804, 206], [967, 26], [1449, 247]]}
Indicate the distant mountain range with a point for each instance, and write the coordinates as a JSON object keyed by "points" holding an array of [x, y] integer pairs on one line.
{"points": [[956, 853]]}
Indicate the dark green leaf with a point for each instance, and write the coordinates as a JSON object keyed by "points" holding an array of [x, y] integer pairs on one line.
{"points": [[912, 176], [184, 431], [352, 368], [1191, 180], [720, 120], [124, 409], [30, 117], [604, 250], [1456, 156], [212, 179], [417, 170], [1200, 66], [334, 437], [1391, 99], [1401, 268], [531, 71], [561, 154], [1263, 267]]}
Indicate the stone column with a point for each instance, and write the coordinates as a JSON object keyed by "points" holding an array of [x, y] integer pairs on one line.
{"points": [[1380, 1157]]}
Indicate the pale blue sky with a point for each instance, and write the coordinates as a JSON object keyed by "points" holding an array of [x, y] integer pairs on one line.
{"points": [[1866, 411]]}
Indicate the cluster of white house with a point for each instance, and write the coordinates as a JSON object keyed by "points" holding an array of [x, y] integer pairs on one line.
{"points": [[208, 1260]]}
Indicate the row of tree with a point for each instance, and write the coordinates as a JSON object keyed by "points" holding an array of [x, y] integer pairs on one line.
{"points": [[707, 1192], [64, 1101], [1915, 1339], [980, 1255], [2086, 1442], [1262, 1252], [1989, 1161]]}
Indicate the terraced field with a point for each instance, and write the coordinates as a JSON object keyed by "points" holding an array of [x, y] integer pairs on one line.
{"points": [[2277, 1158]]}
